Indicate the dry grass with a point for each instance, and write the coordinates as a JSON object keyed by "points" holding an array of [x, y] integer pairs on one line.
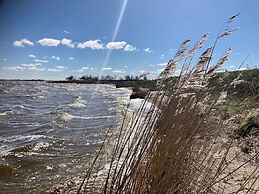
{"points": [[176, 145]]}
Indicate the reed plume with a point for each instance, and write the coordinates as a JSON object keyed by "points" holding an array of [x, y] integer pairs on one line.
{"points": [[177, 144]]}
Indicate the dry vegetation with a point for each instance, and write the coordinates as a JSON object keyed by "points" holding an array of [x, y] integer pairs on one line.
{"points": [[178, 144]]}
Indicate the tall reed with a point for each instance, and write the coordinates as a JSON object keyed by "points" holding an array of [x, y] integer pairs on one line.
{"points": [[177, 144]]}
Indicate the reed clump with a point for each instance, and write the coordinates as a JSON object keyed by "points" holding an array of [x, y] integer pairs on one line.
{"points": [[177, 144]]}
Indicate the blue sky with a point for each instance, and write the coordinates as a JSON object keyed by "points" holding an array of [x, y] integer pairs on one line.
{"points": [[52, 39]]}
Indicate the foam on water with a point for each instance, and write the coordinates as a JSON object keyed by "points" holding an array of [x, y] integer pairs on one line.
{"points": [[41, 145], [38, 97], [4, 113], [23, 138], [65, 116], [99, 117], [78, 103]]}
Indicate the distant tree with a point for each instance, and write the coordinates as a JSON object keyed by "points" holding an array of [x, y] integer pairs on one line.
{"points": [[69, 78], [127, 77], [109, 77], [95, 78], [83, 77]]}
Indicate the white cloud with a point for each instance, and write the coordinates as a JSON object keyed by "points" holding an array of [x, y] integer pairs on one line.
{"points": [[41, 61], [162, 56], [116, 45], [142, 71], [15, 68], [31, 65], [60, 67], [83, 69], [161, 64], [27, 42], [119, 71], [106, 68], [147, 50], [130, 48], [32, 56], [55, 57], [66, 32], [18, 43], [71, 58], [5, 59], [67, 42], [92, 44], [242, 68], [35, 69], [54, 70], [22, 43], [49, 42]]}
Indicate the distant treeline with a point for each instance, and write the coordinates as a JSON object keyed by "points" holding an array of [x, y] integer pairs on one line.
{"points": [[248, 83], [107, 77], [127, 81]]}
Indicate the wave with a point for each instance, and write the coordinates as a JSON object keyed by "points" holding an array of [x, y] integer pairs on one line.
{"points": [[65, 116], [77, 103], [17, 109], [41, 145], [24, 107], [28, 150], [37, 97], [98, 117], [15, 138], [61, 115], [8, 112]]}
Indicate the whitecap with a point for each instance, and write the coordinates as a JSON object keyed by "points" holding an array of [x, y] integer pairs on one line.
{"points": [[65, 116], [38, 97], [21, 107], [77, 103], [15, 138], [6, 113], [49, 167], [40, 145], [3, 113], [98, 117]]}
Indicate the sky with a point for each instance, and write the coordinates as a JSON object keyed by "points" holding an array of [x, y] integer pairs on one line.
{"points": [[53, 39]]}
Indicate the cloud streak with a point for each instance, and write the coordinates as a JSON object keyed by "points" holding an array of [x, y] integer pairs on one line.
{"points": [[106, 69], [41, 61]]}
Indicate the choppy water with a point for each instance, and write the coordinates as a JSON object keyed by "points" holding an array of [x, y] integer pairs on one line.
{"points": [[48, 132]]}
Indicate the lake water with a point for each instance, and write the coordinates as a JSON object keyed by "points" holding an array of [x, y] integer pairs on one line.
{"points": [[48, 132]]}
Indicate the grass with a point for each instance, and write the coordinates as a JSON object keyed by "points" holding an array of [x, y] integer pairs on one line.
{"points": [[177, 145]]}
